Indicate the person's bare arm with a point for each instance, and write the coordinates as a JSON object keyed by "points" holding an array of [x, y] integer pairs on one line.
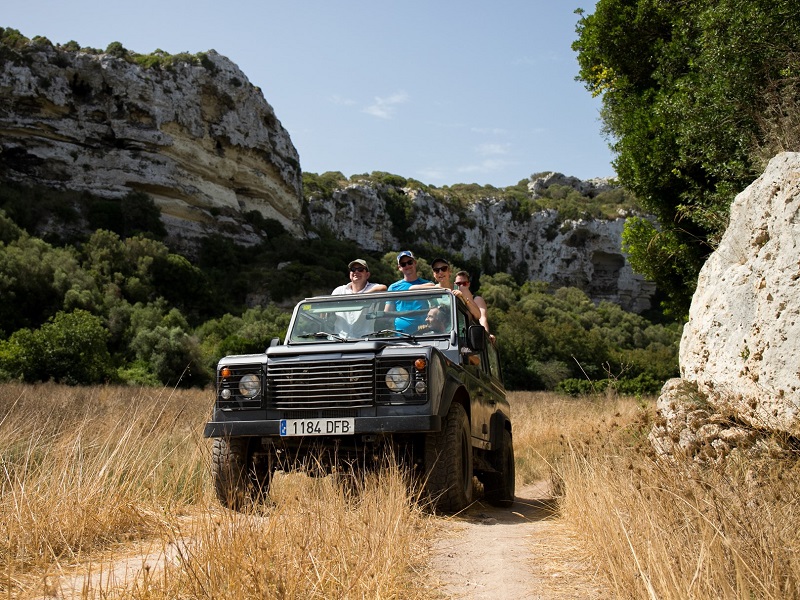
{"points": [[376, 287], [484, 318], [466, 296]]}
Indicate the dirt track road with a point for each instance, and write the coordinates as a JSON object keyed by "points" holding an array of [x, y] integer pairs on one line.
{"points": [[483, 553], [512, 553]]}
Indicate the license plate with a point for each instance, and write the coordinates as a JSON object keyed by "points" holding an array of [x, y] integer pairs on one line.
{"points": [[295, 427]]}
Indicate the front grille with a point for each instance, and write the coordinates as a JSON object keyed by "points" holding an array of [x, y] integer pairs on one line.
{"points": [[330, 413], [320, 384]]}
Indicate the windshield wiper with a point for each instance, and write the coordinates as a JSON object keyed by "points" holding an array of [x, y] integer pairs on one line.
{"points": [[323, 334], [388, 331]]}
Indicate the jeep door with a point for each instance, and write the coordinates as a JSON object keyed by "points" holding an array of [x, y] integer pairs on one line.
{"points": [[479, 394]]}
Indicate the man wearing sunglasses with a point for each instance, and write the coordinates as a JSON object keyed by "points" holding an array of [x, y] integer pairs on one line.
{"points": [[407, 265], [353, 324], [359, 280]]}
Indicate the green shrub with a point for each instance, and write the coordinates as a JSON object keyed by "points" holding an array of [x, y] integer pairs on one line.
{"points": [[69, 348]]}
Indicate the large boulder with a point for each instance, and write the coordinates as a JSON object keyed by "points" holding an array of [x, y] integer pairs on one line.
{"points": [[739, 349]]}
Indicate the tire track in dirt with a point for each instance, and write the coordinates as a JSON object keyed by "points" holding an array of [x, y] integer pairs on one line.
{"points": [[510, 553]]}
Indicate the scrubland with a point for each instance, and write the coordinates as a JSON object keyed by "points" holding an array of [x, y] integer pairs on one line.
{"points": [[92, 475], [659, 529]]}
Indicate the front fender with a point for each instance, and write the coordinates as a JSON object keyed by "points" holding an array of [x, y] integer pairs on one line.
{"points": [[500, 422]]}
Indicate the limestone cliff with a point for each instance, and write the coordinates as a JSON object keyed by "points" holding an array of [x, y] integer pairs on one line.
{"points": [[196, 136], [738, 354], [581, 253]]}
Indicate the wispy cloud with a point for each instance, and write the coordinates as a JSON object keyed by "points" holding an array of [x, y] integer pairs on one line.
{"points": [[341, 100], [490, 165], [546, 57], [385, 107], [432, 174], [492, 149]]}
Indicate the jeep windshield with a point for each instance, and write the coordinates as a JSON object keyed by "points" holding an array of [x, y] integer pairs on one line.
{"points": [[363, 316]]}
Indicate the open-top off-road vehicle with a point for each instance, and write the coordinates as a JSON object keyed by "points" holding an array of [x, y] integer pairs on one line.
{"points": [[359, 374]]}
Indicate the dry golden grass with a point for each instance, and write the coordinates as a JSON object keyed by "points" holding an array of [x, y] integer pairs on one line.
{"points": [[95, 480], [664, 530], [89, 474], [545, 423]]}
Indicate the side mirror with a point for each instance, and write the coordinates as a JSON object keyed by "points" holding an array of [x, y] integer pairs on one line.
{"points": [[476, 335], [274, 342]]}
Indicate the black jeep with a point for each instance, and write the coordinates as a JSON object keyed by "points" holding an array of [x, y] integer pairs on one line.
{"points": [[361, 373]]}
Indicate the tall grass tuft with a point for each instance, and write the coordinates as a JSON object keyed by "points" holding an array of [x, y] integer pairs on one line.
{"points": [[89, 476], [674, 530], [83, 467]]}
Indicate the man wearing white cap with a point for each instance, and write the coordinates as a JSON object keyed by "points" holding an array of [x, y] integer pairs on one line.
{"points": [[359, 280], [354, 323]]}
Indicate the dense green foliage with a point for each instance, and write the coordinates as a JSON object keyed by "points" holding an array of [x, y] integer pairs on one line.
{"points": [[561, 340], [128, 309], [14, 40], [695, 95]]}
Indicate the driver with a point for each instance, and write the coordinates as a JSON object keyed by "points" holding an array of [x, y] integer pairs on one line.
{"points": [[437, 321]]}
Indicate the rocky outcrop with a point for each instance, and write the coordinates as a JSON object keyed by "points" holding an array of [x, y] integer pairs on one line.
{"points": [[195, 135], [739, 348], [585, 254], [590, 187], [192, 133]]}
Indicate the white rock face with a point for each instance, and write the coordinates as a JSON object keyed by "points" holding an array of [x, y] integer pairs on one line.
{"points": [[200, 140], [583, 254], [742, 340]]}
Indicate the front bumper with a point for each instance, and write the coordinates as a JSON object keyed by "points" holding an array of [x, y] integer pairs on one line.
{"points": [[363, 425]]}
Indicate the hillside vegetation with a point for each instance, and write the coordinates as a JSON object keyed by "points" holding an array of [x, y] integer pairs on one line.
{"points": [[119, 306], [697, 97]]}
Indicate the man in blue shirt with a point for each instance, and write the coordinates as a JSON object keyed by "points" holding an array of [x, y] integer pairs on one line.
{"points": [[407, 265]]}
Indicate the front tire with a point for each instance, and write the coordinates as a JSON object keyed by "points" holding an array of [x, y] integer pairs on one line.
{"points": [[229, 471], [501, 486], [448, 462]]}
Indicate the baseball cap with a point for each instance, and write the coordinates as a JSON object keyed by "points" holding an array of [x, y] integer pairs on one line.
{"points": [[407, 253], [440, 260], [358, 261]]}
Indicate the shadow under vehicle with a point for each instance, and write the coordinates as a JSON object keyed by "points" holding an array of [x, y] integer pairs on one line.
{"points": [[358, 375]]}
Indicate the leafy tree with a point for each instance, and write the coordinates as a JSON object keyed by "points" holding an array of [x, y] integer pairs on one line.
{"points": [[164, 347], [34, 278], [685, 101], [549, 338], [69, 348], [250, 333], [136, 213]]}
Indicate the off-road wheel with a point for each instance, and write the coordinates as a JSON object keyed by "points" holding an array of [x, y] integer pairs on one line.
{"points": [[500, 486], [230, 472], [448, 462]]}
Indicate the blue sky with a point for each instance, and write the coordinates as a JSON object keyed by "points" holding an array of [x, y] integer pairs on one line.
{"points": [[440, 91]]}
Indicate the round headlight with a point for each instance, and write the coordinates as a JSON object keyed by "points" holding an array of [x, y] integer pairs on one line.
{"points": [[397, 379], [249, 385]]}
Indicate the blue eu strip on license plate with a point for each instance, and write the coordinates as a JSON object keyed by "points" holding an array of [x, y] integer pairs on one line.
{"points": [[296, 427]]}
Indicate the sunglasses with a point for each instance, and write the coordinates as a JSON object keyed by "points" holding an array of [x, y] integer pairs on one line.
{"points": [[357, 270], [440, 269], [462, 282], [407, 263]]}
